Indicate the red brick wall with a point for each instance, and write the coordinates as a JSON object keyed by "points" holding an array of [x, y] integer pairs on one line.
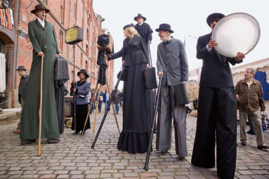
{"points": [[85, 15]]}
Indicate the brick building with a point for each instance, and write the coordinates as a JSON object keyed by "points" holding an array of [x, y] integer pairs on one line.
{"points": [[17, 48]]}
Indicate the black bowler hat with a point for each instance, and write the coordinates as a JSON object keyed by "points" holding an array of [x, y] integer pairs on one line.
{"points": [[21, 68], [83, 71], [128, 25], [213, 16], [165, 27], [40, 7], [140, 15]]}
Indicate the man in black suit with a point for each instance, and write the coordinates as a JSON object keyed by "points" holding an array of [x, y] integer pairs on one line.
{"points": [[216, 107], [143, 28], [22, 90]]}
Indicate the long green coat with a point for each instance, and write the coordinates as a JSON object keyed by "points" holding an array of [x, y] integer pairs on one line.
{"points": [[42, 39]]}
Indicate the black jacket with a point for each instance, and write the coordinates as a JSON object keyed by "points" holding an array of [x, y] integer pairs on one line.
{"points": [[134, 51], [144, 31], [23, 87], [216, 71]]}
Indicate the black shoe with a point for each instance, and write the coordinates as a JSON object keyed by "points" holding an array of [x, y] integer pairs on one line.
{"points": [[251, 132], [53, 140], [262, 147], [27, 141], [243, 143], [155, 131]]}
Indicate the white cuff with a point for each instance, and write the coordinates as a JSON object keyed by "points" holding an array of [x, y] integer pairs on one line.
{"points": [[209, 49]]}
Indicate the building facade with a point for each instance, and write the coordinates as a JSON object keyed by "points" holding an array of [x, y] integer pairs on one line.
{"points": [[64, 14]]}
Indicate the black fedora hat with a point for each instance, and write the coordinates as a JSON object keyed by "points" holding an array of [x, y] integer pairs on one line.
{"points": [[128, 25], [140, 15], [83, 71], [40, 7], [21, 68], [213, 16], [165, 27]]}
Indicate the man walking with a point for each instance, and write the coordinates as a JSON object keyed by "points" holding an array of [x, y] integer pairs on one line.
{"points": [[22, 90], [116, 100], [249, 101], [172, 64], [43, 38], [216, 108], [106, 98]]}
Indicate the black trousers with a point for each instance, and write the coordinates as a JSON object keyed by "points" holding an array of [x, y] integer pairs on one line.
{"points": [[216, 117]]}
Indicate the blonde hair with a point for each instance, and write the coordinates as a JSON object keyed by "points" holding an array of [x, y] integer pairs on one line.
{"points": [[129, 32]]}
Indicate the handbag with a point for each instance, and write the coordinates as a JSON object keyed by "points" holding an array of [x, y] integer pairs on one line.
{"points": [[150, 78], [124, 74], [186, 92]]}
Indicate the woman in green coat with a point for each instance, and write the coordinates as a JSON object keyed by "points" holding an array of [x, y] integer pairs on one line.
{"points": [[43, 39]]}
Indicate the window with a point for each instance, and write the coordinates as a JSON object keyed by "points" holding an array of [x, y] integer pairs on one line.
{"points": [[74, 53], [86, 66], [81, 59], [2, 46], [87, 50], [61, 40]]}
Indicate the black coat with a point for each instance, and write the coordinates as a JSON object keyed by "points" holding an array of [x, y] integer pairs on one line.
{"points": [[134, 51], [216, 71], [23, 87], [144, 31]]}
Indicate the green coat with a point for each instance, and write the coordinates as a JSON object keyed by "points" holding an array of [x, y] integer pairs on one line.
{"points": [[42, 39]]}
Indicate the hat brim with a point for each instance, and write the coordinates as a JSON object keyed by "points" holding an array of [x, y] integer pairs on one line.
{"points": [[141, 17], [171, 31], [33, 11], [213, 16], [86, 75], [20, 69]]}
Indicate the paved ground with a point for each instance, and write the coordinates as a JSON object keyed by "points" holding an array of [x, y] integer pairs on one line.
{"points": [[74, 158]]}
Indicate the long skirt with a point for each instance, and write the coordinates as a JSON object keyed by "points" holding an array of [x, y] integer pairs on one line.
{"points": [[81, 114], [135, 134]]}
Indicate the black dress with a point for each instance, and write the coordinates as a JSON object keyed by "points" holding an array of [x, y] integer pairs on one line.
{"points": [[135, 135], [81, 114]]}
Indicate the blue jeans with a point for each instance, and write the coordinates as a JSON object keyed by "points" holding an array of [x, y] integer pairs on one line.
{"points": [[116, 107], [106, 103], [100, 106]]}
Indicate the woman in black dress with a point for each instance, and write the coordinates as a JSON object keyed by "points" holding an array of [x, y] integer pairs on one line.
{"points": [[81, 90], [135, 135]]}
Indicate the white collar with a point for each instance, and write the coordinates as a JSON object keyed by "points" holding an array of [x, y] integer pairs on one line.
{"points": [[42, 22]]}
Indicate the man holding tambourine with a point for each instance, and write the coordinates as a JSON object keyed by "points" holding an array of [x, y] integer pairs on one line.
{"points": [[216, 107]]}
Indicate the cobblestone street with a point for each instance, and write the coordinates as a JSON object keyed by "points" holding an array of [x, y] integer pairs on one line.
{"points": [[74, 158]]}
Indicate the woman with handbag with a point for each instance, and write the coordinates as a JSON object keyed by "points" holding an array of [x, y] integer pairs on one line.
{"points": [[135, 135], [81, 89]]}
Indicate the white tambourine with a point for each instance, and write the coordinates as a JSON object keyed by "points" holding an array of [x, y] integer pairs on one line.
{"points": [[237, 32]]}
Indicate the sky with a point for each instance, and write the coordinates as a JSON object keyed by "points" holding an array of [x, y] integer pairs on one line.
{"points": [[187, 19]]}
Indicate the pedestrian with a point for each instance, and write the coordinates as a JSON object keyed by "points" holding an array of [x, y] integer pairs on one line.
{"points": [[143, 29], [135, 134], [22, 90], [100, 100], [116, 100], [43, 38], [250, 101], [172, 64], [216, 108], [106, 99], [81, 90]]}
